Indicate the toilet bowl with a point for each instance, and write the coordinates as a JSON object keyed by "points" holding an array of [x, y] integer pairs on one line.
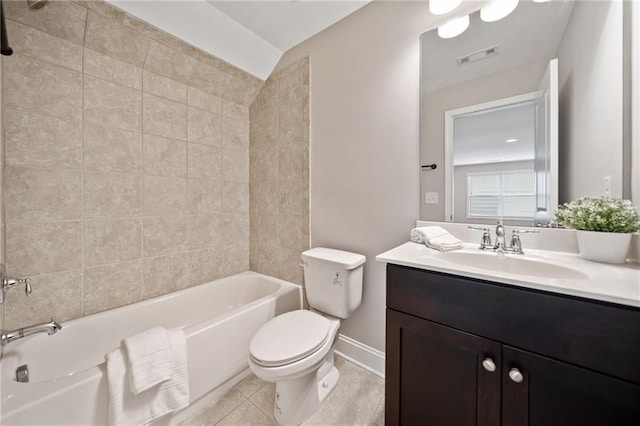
{"points": [[295, 349]]}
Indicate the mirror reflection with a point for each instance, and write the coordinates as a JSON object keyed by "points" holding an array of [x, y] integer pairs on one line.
{"points": [[523, 113]]}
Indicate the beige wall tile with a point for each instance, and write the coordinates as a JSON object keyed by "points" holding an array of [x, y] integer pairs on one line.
{"points": [[39, 248], [235, 165], [290, 162], [110, 241], [164, 196], [164, 235], [62, 19], [148, 30], [265, 197], [235, 228], [111, 105], [169, 62], [41, 141], [204, 161], [109, 68], [110, 38], [235, 197], [209, 79], [110, 286], [58, 294], [205, 265], [112, 195], [291, 197], [40, 45], [204, 232], [162, 86], [263, 163], [164, 157], [103, 8], [235, 134], [109, 149], [235, 111], [235, 259], [204, 127], [204, 196], [165, 274], [240, 92], [204, 100], [164, 117], [41, 195], [28, 83]]}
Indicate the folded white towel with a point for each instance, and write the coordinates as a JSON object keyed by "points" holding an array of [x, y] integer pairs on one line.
{"points": [[435, 237], [149, 358], [125, 408]]}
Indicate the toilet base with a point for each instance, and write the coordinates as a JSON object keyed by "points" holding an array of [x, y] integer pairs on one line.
{"points": [[297, 400]]}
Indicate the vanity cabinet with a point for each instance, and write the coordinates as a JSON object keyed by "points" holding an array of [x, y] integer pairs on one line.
{"points": [[462, 351]]}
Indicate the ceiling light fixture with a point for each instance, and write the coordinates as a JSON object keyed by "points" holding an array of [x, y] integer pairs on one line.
{"points": [[454, 27], [440, 7], [511, 140], [540, 1], [497, 10]]}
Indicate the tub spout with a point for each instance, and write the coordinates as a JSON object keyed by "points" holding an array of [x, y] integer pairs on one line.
{"points": [[50, 328]]}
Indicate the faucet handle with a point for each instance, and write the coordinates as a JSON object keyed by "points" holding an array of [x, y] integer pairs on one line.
{"points": [[27, 287], [486, 238]]}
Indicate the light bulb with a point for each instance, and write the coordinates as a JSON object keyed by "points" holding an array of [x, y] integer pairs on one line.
{"points": [[454, 27], [497, 10], [440, 7]]}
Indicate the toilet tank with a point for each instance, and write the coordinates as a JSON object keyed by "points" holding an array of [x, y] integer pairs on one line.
{"points": [[333, 280]]}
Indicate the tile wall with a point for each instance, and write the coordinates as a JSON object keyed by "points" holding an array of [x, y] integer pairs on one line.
{"points": [[126, 161], [279, 170]]}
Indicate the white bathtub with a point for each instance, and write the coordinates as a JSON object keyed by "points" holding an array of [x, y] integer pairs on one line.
{"points": [[67, 371]]}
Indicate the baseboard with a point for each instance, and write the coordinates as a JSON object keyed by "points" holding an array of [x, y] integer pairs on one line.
{"points": [[360, 354]]}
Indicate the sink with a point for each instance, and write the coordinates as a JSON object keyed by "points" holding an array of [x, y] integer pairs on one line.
{"points": [[510, 264]]}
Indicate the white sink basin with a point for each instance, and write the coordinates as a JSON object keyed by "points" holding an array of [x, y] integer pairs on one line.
{"points": [[510, 264]]}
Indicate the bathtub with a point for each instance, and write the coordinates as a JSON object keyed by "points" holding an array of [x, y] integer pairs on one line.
{"points": [[68, 383]]}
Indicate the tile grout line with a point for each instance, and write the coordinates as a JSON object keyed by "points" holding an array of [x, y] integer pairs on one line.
{"points": [[82, 191], [142, 178]]}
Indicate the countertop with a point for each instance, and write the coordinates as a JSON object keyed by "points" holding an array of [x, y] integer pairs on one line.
{"points": [[618, 284]]}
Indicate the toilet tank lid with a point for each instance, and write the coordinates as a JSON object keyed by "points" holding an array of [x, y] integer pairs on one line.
{"points": [[344, 259]]}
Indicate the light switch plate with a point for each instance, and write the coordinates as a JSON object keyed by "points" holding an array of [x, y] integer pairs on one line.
{"points": [[431, 198]]}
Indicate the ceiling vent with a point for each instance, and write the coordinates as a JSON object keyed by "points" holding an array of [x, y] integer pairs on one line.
{"points": [[479, 55]]}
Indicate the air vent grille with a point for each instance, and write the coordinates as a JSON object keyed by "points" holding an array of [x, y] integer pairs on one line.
{"points": [[479, 55]]}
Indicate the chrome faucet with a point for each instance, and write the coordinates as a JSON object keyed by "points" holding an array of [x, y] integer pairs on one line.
{"points": [[8, 283], [50, 328], [500, 246]]}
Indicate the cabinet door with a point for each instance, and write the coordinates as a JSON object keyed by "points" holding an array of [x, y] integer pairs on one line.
{"points": [[549, 392], [435, 375]]}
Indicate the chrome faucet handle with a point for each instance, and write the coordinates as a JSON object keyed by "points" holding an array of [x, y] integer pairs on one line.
{"points": [[516, 244], [27, 287], [485, 242]]}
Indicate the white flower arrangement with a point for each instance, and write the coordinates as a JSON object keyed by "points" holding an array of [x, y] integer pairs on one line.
{"points": [[600, 214]]}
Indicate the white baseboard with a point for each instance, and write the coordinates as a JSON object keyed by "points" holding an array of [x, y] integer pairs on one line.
{"points": [[360, 354]]}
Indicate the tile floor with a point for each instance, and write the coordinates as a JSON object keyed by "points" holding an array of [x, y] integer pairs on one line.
{"points": [[358, 399]]}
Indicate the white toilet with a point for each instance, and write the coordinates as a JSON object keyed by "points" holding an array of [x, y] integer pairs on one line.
{"points": [[295, 350]]}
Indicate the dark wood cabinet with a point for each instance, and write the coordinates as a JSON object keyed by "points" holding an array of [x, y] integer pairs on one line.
{"points": [[548, 359]]}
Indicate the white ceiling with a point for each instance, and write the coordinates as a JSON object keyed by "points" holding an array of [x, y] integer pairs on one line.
{"points": [[480, 137], [285, 24], [251, 35], [531, 32]]}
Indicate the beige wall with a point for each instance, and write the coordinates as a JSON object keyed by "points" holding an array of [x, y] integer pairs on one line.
{"points": [[127, 161], [364, 146], [279, 171], [590, 74]]}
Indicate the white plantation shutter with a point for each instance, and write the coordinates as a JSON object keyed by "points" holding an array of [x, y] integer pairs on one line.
{"points": [[501, 194]]}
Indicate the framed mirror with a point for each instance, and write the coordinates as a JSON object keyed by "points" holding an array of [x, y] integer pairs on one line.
{"points": [[525, 113]]}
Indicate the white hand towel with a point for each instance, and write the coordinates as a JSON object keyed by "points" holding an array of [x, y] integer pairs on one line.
{"points": [[125, 408], [149, 357], [435, 237]]}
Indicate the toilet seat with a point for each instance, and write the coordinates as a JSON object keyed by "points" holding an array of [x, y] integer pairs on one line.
{"points": [[288, 338]]}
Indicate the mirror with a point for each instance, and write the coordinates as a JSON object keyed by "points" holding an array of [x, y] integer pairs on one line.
{"points": [[495, 83]]}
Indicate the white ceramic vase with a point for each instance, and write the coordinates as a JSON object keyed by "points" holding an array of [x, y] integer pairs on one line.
{"points": [[607, 247]]}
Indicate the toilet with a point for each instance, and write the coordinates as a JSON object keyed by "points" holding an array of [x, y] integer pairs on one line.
{"points": [[295, 349]]}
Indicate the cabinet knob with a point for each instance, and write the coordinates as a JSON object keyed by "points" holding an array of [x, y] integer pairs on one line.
{"points": [[515, 375], [489, 365]]}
